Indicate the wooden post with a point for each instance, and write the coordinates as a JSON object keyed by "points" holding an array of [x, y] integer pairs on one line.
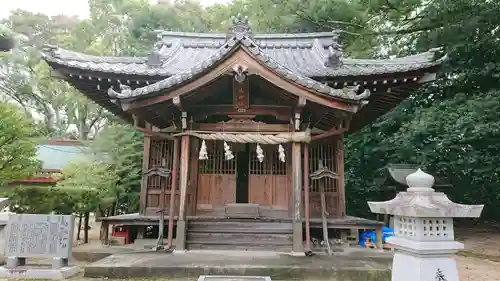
{"points": [[298, 247], [181, 219], [306, 196], [339, 162], [323, 216], [173, 192], [144, 181], [378, 235]]}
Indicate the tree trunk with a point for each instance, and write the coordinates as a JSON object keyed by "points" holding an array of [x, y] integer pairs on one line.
{"points": [[86, 229], [79, 226], [113, 209]]}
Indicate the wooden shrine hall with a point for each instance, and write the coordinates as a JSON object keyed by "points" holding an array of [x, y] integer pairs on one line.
{"points": [[240, 121]]}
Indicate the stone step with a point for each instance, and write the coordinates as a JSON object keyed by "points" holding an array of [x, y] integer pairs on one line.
{"points": [[239, 241], [214, 229], [238, 236], [235, 226], [242, 247]]}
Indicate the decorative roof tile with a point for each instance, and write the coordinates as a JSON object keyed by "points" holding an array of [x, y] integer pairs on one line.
{"points": [[184, 76]]}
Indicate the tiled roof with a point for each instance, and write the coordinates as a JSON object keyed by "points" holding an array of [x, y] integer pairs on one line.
{"points": [[254, 49], [304, 54]]}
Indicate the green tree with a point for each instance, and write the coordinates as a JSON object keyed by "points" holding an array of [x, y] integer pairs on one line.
{"points": [[87, 181], [18, 151], [122, 148]]}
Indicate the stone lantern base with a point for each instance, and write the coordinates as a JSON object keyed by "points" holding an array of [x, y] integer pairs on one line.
{"points": [[424, 261]]}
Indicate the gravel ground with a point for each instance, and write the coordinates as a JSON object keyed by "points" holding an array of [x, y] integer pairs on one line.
{"points": [[474, 269]]}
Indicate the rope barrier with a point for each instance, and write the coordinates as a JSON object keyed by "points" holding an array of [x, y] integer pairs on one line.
{"points": [[253, 138]]}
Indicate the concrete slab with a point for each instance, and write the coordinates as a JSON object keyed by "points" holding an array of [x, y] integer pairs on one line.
{"points": [[354, 264], [95, 251], [33, 272]]}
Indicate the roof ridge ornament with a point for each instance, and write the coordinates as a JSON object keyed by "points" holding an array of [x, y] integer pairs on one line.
{"points": [[240, 27], [335, 52]]}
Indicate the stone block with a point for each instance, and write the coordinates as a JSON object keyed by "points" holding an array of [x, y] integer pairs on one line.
{"points": [[38, 273]]}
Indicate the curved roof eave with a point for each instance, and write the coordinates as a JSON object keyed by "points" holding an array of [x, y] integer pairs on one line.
{"points": [[128, 95]]}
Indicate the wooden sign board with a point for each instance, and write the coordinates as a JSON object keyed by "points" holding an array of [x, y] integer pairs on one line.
{"points": [[241, 99]]}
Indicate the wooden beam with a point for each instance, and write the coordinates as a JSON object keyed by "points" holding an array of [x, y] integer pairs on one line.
{"points": [[281, 112], [151, 133], [330, 133]]}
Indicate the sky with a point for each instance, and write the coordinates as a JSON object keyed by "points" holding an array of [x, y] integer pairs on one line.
{"points": [[56, 7]]}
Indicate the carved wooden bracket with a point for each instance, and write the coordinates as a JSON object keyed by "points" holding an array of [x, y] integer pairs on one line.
{"points": [[240, 72]]}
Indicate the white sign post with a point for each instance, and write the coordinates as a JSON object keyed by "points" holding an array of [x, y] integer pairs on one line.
{"points": [[38, 236], [423, 230]]}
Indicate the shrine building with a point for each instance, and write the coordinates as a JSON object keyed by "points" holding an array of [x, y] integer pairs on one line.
{"points": [[242, 120]]}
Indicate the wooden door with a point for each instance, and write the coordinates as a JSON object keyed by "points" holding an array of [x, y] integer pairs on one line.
{"points": [[217, 180], [269, 184]]}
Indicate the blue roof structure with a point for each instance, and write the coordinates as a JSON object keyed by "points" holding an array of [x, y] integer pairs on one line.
{"points": [[55, 156]]}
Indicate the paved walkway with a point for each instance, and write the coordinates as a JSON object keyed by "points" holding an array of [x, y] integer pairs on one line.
{"points": [[354, 264]]}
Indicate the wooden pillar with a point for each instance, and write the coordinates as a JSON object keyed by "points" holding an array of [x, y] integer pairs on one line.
{"points": [[173, 192], [181, 219], [339, 169], [144, 181], [306, 196], [298, 247]]}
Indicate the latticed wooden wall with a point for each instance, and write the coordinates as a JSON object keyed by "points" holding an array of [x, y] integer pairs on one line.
{"points": [[161, 153], [326, 152]]}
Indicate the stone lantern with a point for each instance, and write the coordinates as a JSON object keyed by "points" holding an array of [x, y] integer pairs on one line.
{"points": [[423, 230]]}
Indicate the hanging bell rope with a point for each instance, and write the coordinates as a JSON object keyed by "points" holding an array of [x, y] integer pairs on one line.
{"points": [[252, 138]]}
